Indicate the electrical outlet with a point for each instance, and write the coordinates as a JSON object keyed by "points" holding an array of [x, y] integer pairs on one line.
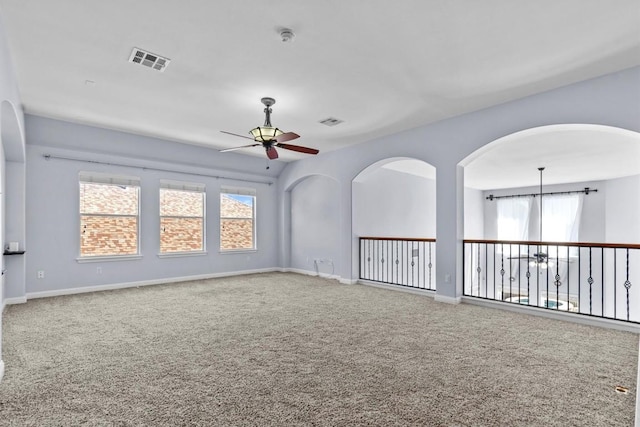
{"points": [[40, 274]]}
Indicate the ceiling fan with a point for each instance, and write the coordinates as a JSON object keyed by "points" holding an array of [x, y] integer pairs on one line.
{"points": [[271, 137]]}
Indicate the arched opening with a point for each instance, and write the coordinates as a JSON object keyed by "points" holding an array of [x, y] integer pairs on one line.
{"points": [[394, 220], [12, 139], [551, 220], [12, 170], [315, 225]]}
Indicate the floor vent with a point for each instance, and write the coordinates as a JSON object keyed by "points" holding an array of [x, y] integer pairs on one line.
{"points": [[621, 389], [149, 59], [331, 121]]}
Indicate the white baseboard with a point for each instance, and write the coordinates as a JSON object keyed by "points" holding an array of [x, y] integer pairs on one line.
{"points": [[408, 289], [348, 281], [1, 370], [16, 300], [311, 273], [447, 300], [85, 289], [557, 315]]}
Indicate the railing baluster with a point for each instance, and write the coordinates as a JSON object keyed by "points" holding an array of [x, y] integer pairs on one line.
{"points": [[557, 279], [615, 282], [568, 277], [579, 279], [566, 272], [602, 282], [627, 284], [528, 274], [590, 281]]}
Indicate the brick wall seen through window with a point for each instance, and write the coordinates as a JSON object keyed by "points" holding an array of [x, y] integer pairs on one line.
{"points": [[108, 219], [237, 222], [181, 220]]}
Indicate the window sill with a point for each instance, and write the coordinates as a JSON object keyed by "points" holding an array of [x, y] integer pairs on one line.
{"points": [[182, 254], [82, 260], [237, 251]]}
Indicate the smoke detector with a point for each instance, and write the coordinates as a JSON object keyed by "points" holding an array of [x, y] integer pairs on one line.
{"points": [[286, 35], [148, 59]]}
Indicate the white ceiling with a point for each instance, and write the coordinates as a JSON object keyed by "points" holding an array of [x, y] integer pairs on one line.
{"points": [[381, 66], [568, 153]]}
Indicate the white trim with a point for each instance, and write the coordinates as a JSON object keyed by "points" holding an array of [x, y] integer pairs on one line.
{"points": [[86, 289], [447, 300], [312, 273], [554, 314], [16, 300], [1, 370], [416, 291], [237, 251], [182, 254], [108, 258], [348, 281]]}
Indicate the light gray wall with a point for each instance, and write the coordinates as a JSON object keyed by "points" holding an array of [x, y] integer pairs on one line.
{"points": [[622, 204], [389, 203], [473, 214], [53, 206], [592, 221], [315, 223], [612, 100]]}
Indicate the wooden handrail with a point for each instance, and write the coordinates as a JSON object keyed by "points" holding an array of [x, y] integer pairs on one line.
{"points": [[410, 239], [574, 244]]}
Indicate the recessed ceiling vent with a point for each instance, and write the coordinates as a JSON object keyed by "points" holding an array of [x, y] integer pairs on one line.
{"points": [[149, 59], [331, 121]]}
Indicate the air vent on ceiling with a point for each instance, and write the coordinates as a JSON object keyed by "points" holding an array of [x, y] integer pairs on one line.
{"points": [[149, 59], [331, 121]]}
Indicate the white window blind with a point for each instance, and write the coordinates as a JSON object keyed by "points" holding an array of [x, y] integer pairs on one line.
{"points": [[182, 186]]}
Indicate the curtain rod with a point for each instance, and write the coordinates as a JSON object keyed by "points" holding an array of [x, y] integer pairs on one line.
{"points": [[49, 157], [586, 190]]}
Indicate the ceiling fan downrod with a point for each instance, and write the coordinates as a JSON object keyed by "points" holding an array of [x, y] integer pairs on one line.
{"points": [[268, 102]]}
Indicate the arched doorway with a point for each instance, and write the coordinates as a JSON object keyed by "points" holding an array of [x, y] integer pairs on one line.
{"points": [[553, 224], [394, 220]]}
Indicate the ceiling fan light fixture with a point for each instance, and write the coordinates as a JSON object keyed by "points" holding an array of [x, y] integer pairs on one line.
{"points": [[265, 133]]}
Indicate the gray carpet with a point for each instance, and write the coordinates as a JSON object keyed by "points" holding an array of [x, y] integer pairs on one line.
{"points": [[288, 350]]}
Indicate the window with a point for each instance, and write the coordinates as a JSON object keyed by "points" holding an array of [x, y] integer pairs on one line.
{"points": [[181, 217], [237, 219], [109, 215]]}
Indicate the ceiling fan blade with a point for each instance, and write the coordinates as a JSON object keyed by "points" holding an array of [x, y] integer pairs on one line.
{"points": [[235, 134], [289, 136], [238, 148], [272, 154], [299, 149]]}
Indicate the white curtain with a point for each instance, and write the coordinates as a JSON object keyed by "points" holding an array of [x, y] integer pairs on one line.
{"points": [[513, 224], [561, 217], [513, 218]]}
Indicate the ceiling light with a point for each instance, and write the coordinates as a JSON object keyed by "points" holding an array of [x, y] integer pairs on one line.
{"points": [[265, 133]]}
